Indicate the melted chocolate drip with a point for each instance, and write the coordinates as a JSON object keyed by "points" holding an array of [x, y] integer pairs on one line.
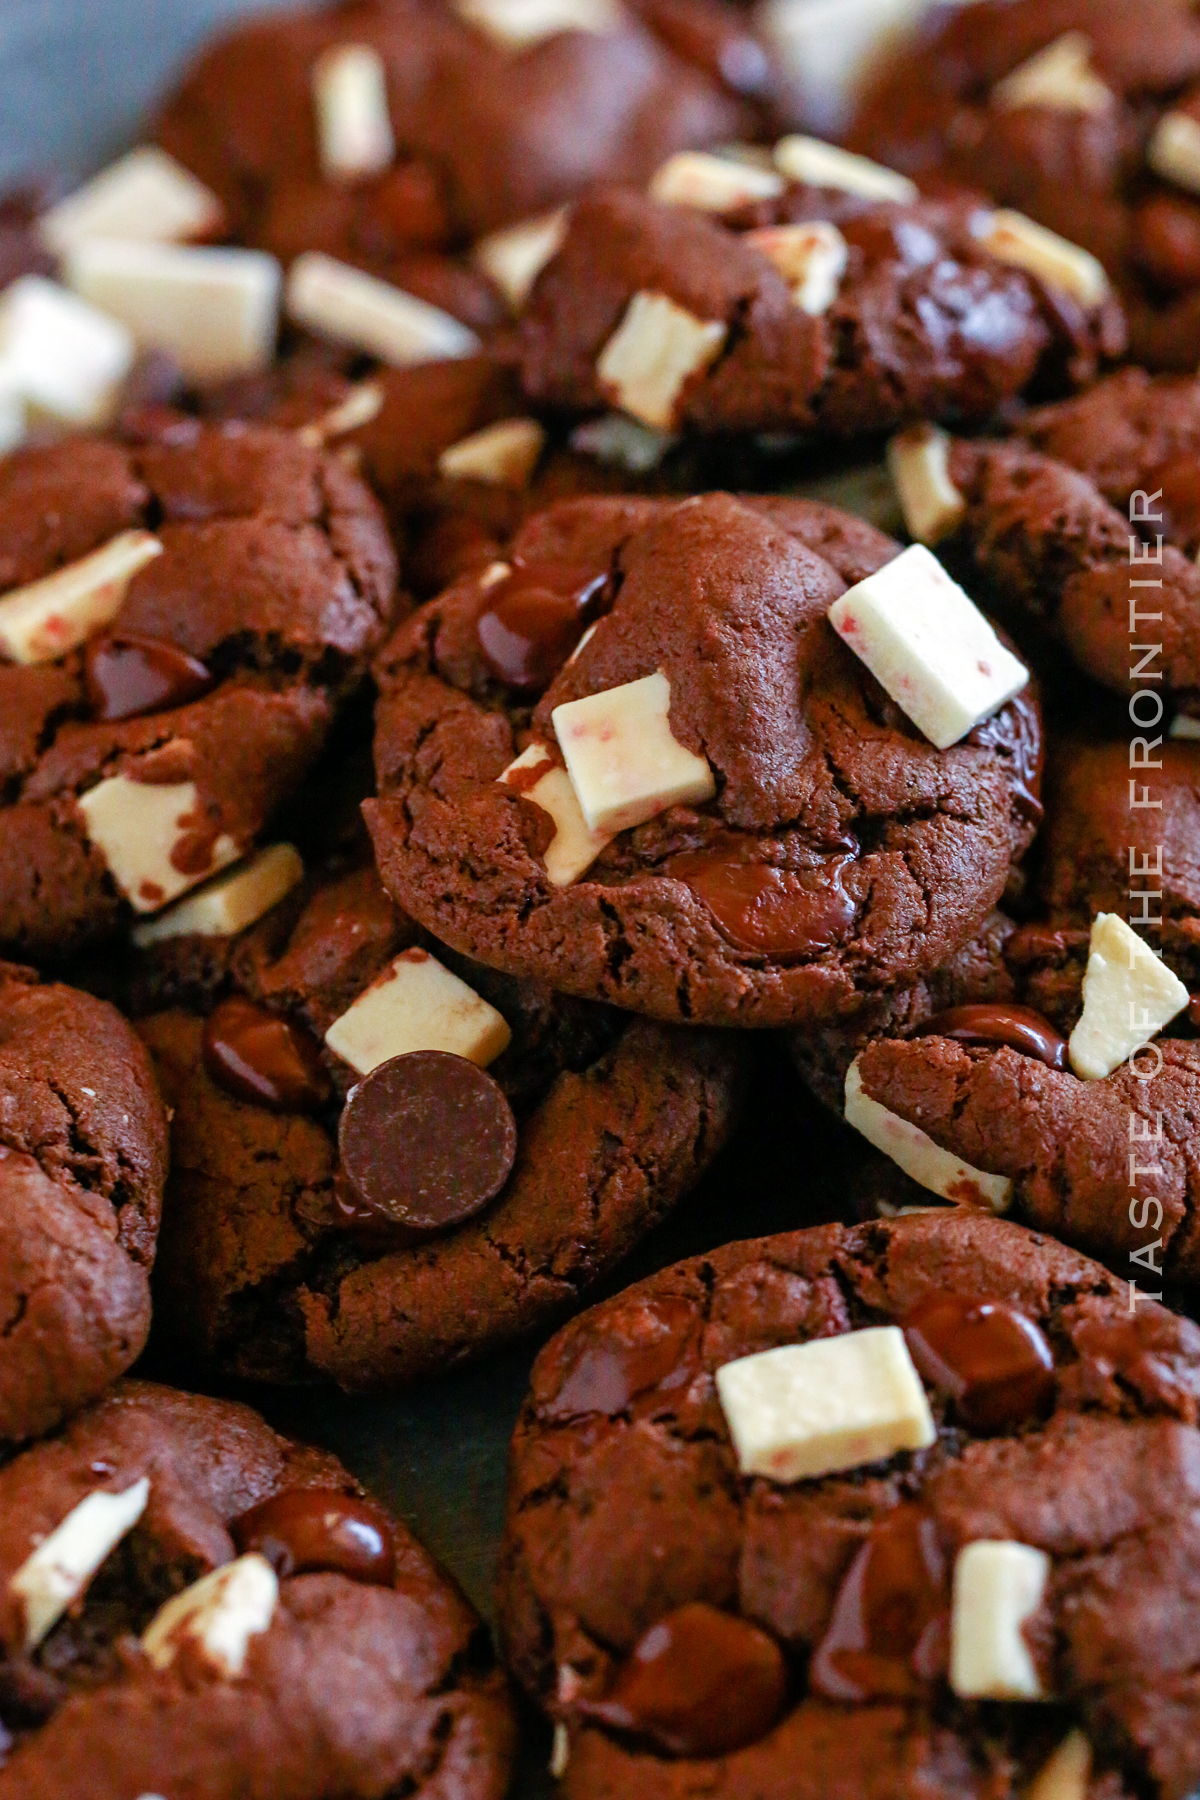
{"points": [[887, 1638], [258, 1056], [644, 1351], [1016, 731], [128, 675], [1017, 1027], [779, 913]]}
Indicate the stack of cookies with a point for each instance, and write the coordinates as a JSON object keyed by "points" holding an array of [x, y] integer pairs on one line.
{"points": [[533, 591]]}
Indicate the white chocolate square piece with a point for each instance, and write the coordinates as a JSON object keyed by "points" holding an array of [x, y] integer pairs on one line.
{"points": [[363, 403], [47, 618], [417, 1004], [354, 125], [825, 50], [653, 353], [504, 454], [817, 164], [516, 24], [1185, 728], [1174, 150], [65, 359], [216, 311], [1066, 1774], [919, 464], [54, 1576], [216, 1617], [1018, 241], [342, 303], [617, 440], [575, 846], [625, 765], [136, 826], [914, 1151], [514, 257], [712, 183], [1129, 994], [807, 1410], [811, 258], [929, 646], [146, 196], [230, 902], [1060, 78], [998, 1586]]}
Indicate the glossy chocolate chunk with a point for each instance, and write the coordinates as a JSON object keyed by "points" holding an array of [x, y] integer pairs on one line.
{"points": [[773, 912], [644, 1351], [699, 1683], [887, 1638], [427, 1140], [311, 1529], [534, 620], [989, 1358], [258, 1056], [1017, 1027], [128, 675]]}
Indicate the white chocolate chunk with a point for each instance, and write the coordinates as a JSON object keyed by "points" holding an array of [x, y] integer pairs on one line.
{"points": [[216, 1617], [1014, 239], [1174, 150], [919, 464], [624, 762], [819, 164], [1066, 1773], [417, 1004], [929, 646], [1129, 994], [811, 258], [1183, 727], [514, 257], [504, 454], [363, 403], [65, 359], [653, 353], [575, 846], [354, 125], [14, 419], [807, 1410], [53, 1577], [622, 442], [560, 1752], [711, 183], [146, 196], [998, 1586], [230, 902], [216, 311], [914, 1151], [342, 303], [47, 618], [136, 825], [1060, 77], [516, 24], [826, 50]]}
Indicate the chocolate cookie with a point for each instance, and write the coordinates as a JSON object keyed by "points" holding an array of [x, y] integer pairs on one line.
{"points": [[185, 613], [810, 311], [827, 849], [710, 1598], [493, 117], [83, 1158], [194, 1604], [373, 1209], [1070, 111]]}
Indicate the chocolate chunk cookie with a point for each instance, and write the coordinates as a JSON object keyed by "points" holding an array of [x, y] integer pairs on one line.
{"points": [[494, 117], [825, 849], [1069, 111], [353, 1197], [192, 1604], [810, 311], [709, 1597], [83, 1158], [183, 615]]}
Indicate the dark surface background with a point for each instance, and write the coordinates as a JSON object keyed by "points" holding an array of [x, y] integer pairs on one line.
{"points": [[76, 78]]}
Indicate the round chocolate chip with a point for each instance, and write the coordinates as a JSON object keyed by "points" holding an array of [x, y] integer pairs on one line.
{"points": [[427, 1140]]}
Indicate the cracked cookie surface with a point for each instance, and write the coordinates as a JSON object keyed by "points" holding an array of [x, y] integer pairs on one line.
{"points": [[882, 855], [372, 1679], [83, 1158], [625, 1504]]}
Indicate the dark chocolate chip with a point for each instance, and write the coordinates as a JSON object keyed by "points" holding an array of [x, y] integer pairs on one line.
{"points": [[887, 1636], [535, 618], [988, 1357], [128, 675], [1017, 1027], [427, 1140], [310, 1529], [261, 1057]]}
